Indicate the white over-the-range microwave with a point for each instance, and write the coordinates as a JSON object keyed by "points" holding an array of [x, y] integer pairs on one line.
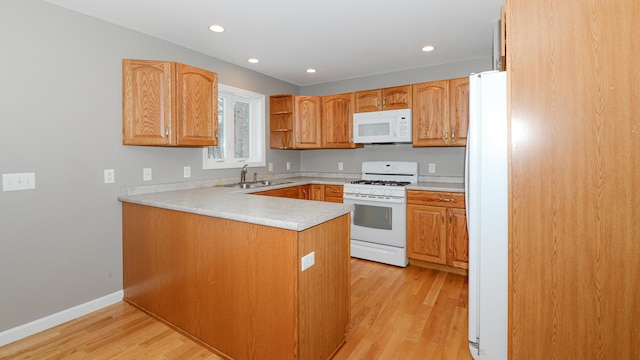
{"points": [[382, 127]]}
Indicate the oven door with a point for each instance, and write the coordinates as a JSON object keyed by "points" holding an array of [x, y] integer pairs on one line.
{"points": [[376, 220]]}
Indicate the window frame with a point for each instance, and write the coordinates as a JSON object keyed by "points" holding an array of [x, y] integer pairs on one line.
{"points": [[257, 134]]}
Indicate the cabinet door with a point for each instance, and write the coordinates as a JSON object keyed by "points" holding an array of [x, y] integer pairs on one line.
{"points": [[369, 100], [147, 110], [426, 233], [431, 113], [317, 192], [459, 111], [304, 192], [457, 239], [337, 121], [398, 97], [308, 122], [197, 106]]}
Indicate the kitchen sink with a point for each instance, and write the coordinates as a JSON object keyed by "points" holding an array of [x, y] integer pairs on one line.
{"points": [[257, 184]]}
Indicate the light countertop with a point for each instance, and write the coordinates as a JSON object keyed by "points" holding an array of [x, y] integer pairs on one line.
{"points": [[207, 199]]}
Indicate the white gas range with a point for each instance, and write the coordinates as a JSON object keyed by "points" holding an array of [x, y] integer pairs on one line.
{"points": [[379, 218]]}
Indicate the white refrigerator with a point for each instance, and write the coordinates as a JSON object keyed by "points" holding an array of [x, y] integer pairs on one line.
{"points": [[486, 186]]}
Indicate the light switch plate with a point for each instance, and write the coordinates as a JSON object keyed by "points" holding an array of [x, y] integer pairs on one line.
{"points": [[187, 171], [21, 181], [270, 166], [340, 166], [432, 168], [288, 165]]}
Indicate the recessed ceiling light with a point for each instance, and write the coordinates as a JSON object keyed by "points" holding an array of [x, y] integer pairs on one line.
{"points": [[216, 28], [311, 71], [253, 60], [428, 48]]}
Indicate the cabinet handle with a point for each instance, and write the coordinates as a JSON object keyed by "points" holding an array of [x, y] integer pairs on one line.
{"points": [[334, 191], [384, 102], [446, 199], [450, 218], [442, 217], [166, 131], [377, 102], [446, 135], [453, 134], [297, 140]]}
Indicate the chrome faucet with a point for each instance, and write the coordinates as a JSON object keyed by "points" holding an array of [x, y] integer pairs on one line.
{"points": [[243, 174]]}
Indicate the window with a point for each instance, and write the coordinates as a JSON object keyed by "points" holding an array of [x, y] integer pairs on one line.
{"points": [[240, 130]]}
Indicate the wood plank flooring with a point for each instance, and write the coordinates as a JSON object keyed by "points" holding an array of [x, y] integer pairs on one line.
{"points": [[410, 313]]}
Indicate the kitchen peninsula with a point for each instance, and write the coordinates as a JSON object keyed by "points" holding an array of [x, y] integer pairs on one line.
{"points": [[224, 267]]}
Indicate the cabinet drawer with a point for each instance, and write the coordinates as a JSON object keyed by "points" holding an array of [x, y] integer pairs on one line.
{"points": [[333, 193], [436, 198], [333, 190]]}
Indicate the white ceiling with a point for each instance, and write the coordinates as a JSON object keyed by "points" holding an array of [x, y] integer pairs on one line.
{"points": [[342, 39]]}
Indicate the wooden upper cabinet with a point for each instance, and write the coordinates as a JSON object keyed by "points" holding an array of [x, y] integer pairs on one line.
{"points": [[308, 126], [441, 113], [281, 121], [459, 111], [431, 113], [337, 121], [168, 104], [295, 122], [398, 97]]}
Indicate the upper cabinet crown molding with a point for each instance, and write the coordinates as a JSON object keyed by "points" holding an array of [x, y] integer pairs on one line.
{"points": [[168, 104]]}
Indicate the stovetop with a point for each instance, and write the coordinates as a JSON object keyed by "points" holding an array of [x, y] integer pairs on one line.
{"points": [[381, 182]]}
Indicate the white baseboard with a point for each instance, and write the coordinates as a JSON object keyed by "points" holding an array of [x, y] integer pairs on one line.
{"points": [[47, 322]]}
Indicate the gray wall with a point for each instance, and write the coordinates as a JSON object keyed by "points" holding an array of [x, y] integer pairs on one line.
{"points": [[60, 106]]}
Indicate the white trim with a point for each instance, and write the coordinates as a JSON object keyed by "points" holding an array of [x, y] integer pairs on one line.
{"points": [[47, 322]]}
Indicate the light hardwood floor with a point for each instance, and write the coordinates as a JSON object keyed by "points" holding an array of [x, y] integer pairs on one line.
{"points": [[410, 313]]}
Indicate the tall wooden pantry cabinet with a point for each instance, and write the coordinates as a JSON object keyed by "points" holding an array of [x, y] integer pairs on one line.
{"points": [[574, 88]]}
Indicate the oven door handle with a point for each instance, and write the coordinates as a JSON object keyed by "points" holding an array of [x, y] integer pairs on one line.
{"points": [[373, 199]]}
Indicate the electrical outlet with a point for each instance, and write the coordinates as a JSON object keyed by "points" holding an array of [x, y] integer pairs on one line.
{"points": [[187, 171], [432, 168], [146, 174], [22, 181], [109, 176], [308, 260], [270, 166], [288, 165], [340, 166]]}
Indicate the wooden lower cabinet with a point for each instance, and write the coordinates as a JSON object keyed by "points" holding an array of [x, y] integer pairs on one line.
{"points": [[319, 192], [330, 193], [237, 287], [293, 192], [437, 228]]}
